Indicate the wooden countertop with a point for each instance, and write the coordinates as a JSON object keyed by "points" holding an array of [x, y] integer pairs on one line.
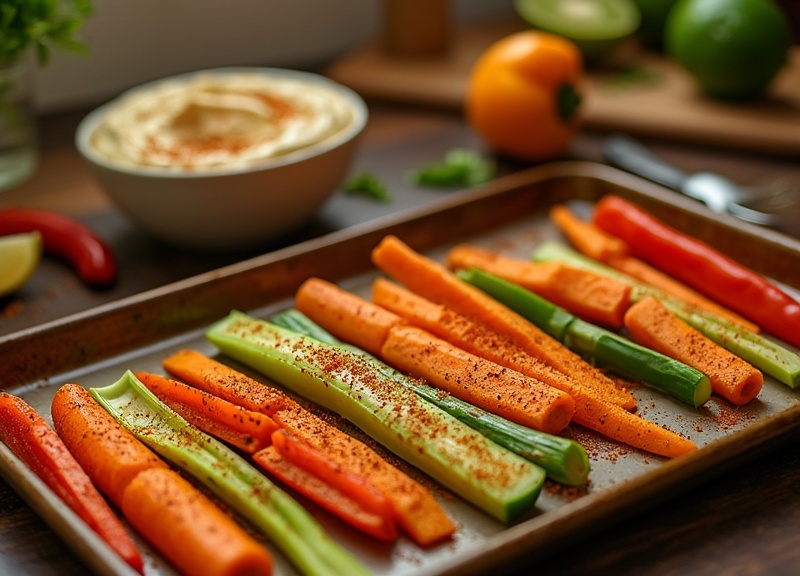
{"points": [[745, 520]]}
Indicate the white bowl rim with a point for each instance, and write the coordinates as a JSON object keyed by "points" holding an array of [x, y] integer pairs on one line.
{"points": [[90, 122]]}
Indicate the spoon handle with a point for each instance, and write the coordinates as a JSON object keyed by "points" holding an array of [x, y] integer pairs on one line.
{"points": [[628, 154]]}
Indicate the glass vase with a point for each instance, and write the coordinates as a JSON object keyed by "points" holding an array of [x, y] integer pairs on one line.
{"points": [[18, 135]]}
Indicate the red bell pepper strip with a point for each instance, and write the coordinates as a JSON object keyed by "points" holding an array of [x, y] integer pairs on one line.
{"points": [[348, 496], [701, 266], [66, 238], [27, 434]]}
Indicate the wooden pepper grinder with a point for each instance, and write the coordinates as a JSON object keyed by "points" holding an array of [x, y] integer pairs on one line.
{"points": [[416, 28]]}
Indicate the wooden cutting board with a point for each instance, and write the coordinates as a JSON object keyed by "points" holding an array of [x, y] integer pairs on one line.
{"points": [[638, 92]]}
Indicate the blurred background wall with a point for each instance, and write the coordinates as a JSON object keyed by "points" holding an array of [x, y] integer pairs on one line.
{"points": [[136, 41]]}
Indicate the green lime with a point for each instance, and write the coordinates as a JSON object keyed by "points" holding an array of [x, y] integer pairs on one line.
{"points": [[654, 19], [596, 26], [733, 48], [19, 257]]}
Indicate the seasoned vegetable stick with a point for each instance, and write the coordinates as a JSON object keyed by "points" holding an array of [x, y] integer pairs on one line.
{"points": [[591, 296], [190, 529], [246, 430], [652, 325]]}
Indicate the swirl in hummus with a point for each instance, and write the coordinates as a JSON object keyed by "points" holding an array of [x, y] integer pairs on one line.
{"points": [[219, 121]]}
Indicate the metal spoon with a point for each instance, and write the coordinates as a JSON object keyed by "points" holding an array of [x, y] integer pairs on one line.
{"points": [[717, 192]]}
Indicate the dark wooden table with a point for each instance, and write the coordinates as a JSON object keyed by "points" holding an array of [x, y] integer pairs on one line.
{"points": [[743, 521]]}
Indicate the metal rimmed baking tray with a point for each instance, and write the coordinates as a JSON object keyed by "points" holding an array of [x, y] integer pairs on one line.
{"points": [[95, 347]]}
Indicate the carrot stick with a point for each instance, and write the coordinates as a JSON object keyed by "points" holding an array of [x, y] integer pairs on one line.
{"points": [[586, 237], [435, 282], [109, 454], [367, 326], [416, 510], [27, 434], [598, 244], [591, 410], [507, 393], [247, 430], [652, 325], [345, 495], [479, 340], [478, 381], [189, 529], [205, 373], [591, 296]]}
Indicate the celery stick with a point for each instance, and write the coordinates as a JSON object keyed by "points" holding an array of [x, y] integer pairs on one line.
{"points": [[492, 478], [227, 475], [766, 355], [608, 349], [564, 460]]}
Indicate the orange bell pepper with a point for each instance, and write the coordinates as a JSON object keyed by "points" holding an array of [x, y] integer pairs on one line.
{"points": [[523, 96]]}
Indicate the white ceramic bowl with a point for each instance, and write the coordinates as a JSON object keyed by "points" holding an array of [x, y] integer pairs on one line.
{"points": [[226, 209]]}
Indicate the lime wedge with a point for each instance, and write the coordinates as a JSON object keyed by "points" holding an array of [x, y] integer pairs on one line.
{"points": [[596, 26], [19, 257]]}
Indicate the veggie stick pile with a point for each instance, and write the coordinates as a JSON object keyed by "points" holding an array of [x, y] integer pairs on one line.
{"points": [[351, 384], [413, 505], [704, 268], [438, 284], [725, 328], [591, 410]]}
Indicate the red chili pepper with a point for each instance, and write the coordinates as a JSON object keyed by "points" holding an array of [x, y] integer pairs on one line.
{"points": [[92, 258], [701, 266]]}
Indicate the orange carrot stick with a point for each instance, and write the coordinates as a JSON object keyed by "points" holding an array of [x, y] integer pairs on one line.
{"points": [[435, 282], [416, 510], [189, 529], [479, 340], [586, 237], [480, 382], [591, 411], [109, 454], [507, 393], [652, 325], [593, 297], [366, 326], [342, 493], [598, 244], [27, 434], [247, 430]]}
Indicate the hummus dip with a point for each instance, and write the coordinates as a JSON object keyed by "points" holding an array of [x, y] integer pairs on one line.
{"points": [[219, 121]]}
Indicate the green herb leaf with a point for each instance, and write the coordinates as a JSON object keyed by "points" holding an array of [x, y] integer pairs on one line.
{"points": [[41, 25], [367, 184], [464, 168]]}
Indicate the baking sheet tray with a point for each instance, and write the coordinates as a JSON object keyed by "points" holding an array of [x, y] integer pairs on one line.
{"points": [[94, 348]]}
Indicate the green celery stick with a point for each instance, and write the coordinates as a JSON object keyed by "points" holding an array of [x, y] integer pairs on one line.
{"points": [[564, 460], [608, 349], [494, 479], [766, 355], [227, 475]]}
